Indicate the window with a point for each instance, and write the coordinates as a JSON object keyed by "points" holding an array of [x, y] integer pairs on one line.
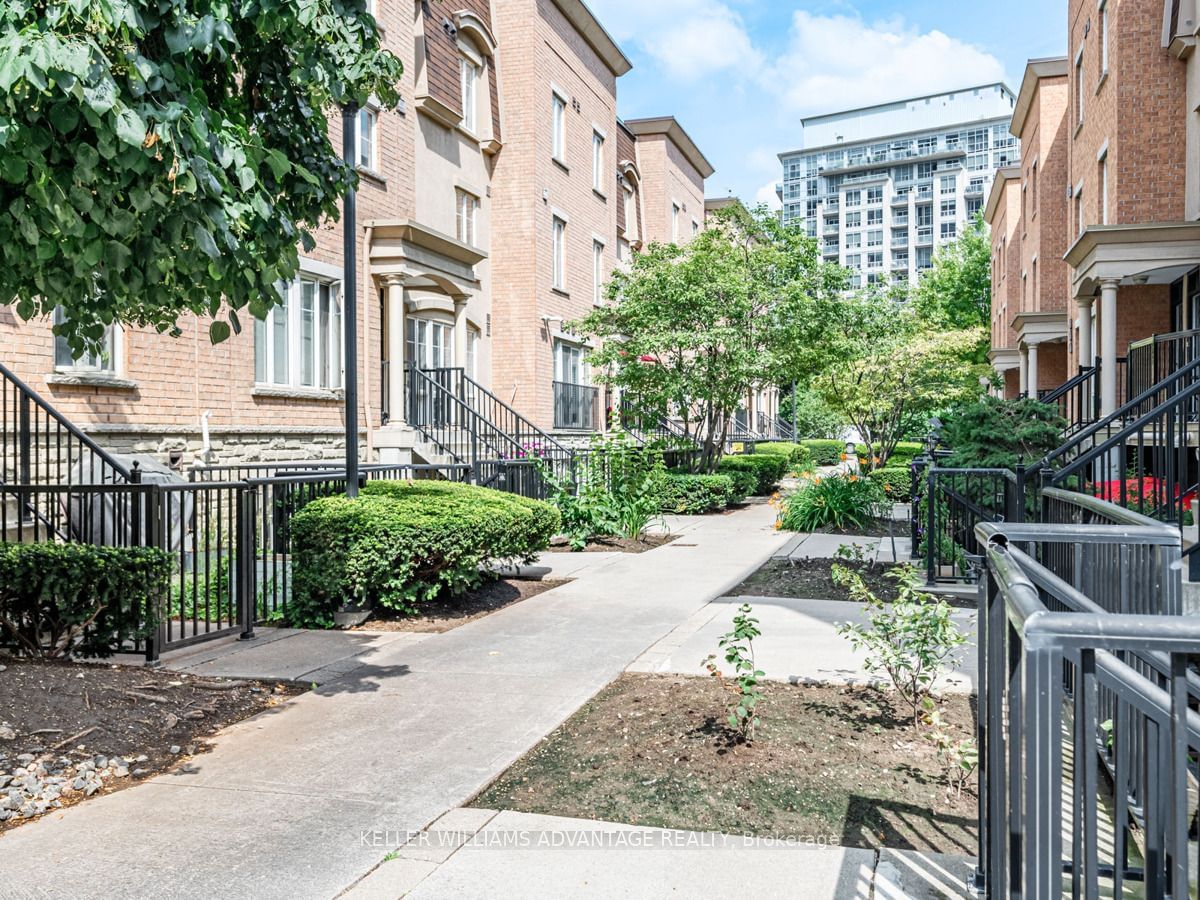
{"points": [[1103, 38], [570, 367], [558, 252], [597, 273], [854, 220], [875, 238], [598, 162], [1078, 211], [368, 121], [875, 195], [696, 227], [299, 344], [466, 210], [558, 128], [925, 170], [469, 77], [472, 352], [875, 260], [853, 198], [429, 344], [854, 240], [874, 216], [948, 230], [674, 222], [949, 209], [924, 215], [853, 260], [103, 361], [631, 214], [1033, 186], [1079, 87], [1102, 181]]}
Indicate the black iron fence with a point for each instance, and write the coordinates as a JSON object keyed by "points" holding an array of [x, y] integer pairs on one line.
{"points": [[576, 406], [1070, 687]]}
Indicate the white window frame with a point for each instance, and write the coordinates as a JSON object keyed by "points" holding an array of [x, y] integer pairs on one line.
{"points": [[675, 210], [1079, 87], [326, 360], [597, 272], [368, 159], [558, 252], [429, 342], [1103, 37], [598, 161], [1102, 178], [466, 216], [560, 368], [468, 75], [558, 125], [109, 362]]}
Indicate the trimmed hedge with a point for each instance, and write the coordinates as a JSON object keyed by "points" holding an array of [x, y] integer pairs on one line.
{"points": [[745, 483], [767, 469], [905, 452], [895, 482], [825, 453], [402, 543], [78, 599], [798, 456], [696, 494]]}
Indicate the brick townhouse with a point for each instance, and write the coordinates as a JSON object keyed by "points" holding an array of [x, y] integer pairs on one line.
{"points": [[492, 206], [1119, 148]]}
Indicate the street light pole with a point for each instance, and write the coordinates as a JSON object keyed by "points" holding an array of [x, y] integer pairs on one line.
{"points": [[350, 302]]}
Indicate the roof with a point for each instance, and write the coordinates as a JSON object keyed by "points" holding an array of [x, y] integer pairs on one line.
{"points": [[999, 183], [669, 126], [1035, 71], [843, 112], [586, 23], [711, 204]]}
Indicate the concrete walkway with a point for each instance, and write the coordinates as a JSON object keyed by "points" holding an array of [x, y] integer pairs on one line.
{"points": [[287, 804], [479, 854]]}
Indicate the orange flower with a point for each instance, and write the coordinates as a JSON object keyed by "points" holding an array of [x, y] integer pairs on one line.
{"points": [[816, 481], [854, 478], [843, 457], [778, 525]]}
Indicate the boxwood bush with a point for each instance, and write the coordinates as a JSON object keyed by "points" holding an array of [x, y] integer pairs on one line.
{"points": [[745, 483], [61, 600], [402, 543], [798, 456], [767, 469], [894, 481], [825, 453], [904, 453], [689, 494]]}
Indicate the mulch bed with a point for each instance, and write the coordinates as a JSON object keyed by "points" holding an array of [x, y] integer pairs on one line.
{"points": [[613, 544], [446, 613], [810, 579], [876, 528], [69, 731], [832, 764]]}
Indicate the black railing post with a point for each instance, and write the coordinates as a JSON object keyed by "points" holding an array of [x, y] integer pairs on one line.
{"points": [[24, 437], [1016, 512], [916, 467], [930, 526], [247, 560], [152, 498]]}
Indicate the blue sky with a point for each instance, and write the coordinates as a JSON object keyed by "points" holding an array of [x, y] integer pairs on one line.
{"points": [[740, 74]]}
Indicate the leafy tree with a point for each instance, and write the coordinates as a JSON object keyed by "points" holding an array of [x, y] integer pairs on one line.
{"points": [[161, 157], [691, 329], [997, 434], [814, 419], [957, 292], [891, 371]]}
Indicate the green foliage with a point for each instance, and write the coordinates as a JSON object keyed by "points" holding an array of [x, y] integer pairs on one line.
{"points": [[852, 553], [895, 482], [615, 491], [889, 372], [902, 454], [746, 302], [912, 639], [766, 469], [403, 543], [738, 645], [814, 417], [207, 594], [960, 757], [695, 495], [833, 501], [995, 433], [162, 158], [63, 600], [825, 452], [799, 457], [956, 294], [745, 482]]}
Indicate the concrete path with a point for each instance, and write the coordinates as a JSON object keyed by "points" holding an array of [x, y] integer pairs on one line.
{"points": [[287, 803], [479, 854], [799, 643]]}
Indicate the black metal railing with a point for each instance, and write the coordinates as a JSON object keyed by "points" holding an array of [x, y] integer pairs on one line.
{"points": [[952, 503], [1067, 686], [773, 428], [1076, 398], [576, 406], [1159, 356]]}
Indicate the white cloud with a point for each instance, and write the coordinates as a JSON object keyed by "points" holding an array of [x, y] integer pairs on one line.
{"points": [[841, 62], [766, 194]]}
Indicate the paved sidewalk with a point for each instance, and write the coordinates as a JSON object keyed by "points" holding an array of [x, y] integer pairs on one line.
{"points": [[479, 854], [285, 805]]}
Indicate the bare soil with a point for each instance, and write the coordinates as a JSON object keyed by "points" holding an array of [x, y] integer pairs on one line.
{"points": [[875, 528], [828, 763], [445, 613], [78, 711], [613, 544], [810, 579]]}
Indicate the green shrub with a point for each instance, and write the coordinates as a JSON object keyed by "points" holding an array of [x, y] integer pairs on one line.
{"points": [[825, 453], [745, 483], [995, 433], [767, 469], [837, 501], [799, 457], [402, 543], [60, 600], [694, 495], [894, 481]]}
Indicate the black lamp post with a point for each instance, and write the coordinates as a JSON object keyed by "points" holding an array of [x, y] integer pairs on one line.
{"points": [[350, 302]]}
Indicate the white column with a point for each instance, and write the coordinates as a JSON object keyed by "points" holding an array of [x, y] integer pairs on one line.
{"points": [[396, 348], [1108, 347], [460, 332], [1031, 371], [1023, 371], [1083, 322]]}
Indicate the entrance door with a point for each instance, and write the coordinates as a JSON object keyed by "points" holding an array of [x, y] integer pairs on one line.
{"points": [[430, 348]]}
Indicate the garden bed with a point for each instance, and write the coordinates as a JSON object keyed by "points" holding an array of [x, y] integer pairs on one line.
{"points": [[445, 613], [830, 763], [810, 579], [613, 544], [69, 731], [875, 528]]}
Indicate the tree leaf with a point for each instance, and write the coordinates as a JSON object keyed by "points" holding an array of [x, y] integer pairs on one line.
{"points": [[204, 240], [218, 331], [130, 127]]}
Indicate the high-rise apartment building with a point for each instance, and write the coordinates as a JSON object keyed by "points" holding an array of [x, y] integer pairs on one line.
{"points": [[880, 187]]}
